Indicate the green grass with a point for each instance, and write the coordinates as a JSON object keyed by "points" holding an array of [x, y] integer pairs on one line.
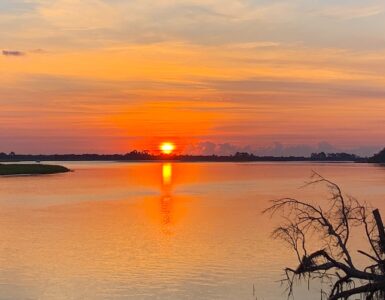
{"points": [[31, 169]]}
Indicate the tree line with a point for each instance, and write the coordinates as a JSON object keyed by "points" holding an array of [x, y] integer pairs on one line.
{"points": [[147, 156]]}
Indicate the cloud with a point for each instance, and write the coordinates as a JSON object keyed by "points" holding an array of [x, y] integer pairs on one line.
{"points": [[353, 89], [38, 51], [345, 12], [79, 15], [13, 53], [93, 23], [276, 149]]}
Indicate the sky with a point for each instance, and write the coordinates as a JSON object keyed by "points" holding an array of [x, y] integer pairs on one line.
{"points": [[212, 76]]}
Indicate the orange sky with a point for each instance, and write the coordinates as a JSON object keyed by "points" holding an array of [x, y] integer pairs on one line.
{"points": [[111, 76]]}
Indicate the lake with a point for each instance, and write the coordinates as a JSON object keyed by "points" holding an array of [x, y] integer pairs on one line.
{"points": [[159, 230]]}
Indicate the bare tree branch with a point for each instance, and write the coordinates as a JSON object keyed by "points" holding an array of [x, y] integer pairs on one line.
{"points": [[332, 225]]}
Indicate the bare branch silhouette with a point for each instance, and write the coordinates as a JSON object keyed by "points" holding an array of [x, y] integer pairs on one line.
{"points": [[330, 226]]}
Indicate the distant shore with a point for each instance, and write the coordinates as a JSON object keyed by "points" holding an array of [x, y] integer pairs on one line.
{"points": [[146, 156], [31, 169], [236, 157]]}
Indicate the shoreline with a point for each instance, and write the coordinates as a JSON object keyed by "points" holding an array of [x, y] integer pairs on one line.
{"points": [[24, 162]]}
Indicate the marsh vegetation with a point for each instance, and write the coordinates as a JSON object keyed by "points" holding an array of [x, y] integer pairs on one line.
{"points": [[31, 169]]}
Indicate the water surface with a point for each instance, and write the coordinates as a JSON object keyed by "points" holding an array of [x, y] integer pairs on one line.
{"points": [[157, 230]]}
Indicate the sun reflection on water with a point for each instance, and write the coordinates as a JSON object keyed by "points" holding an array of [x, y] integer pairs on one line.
{"points": [[166, 174], [166, 200]]}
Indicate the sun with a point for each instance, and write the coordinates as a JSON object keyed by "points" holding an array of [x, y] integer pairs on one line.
{"points": [[167, 147]]}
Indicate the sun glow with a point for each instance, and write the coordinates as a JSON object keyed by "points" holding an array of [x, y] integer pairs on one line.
{"points": [[167, 148]]}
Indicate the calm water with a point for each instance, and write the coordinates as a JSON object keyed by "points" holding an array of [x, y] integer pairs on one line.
{"points": [[157, 231]]}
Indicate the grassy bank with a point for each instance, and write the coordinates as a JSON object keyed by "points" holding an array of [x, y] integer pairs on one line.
{"points": [[31, 169]]}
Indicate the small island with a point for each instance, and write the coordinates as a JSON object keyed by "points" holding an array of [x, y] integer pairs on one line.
{"points": [[31, 169]]}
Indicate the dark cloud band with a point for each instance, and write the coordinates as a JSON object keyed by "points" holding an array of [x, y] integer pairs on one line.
{"points": [[12, 53]]}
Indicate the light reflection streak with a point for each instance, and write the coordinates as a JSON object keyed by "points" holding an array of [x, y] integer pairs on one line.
{"points": [[166, 174], [166, 200]]}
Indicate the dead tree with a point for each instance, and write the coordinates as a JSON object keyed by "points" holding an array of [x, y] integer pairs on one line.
{"points": [[330, 227]]}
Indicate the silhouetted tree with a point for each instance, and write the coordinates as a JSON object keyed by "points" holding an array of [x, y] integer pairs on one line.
{"points": [[342, 157], [243, 156], [379, 157], [318, 156], [331, 225]]}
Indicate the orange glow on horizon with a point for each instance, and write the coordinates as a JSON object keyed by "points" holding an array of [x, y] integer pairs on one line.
{"points": [[167, 147]]}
